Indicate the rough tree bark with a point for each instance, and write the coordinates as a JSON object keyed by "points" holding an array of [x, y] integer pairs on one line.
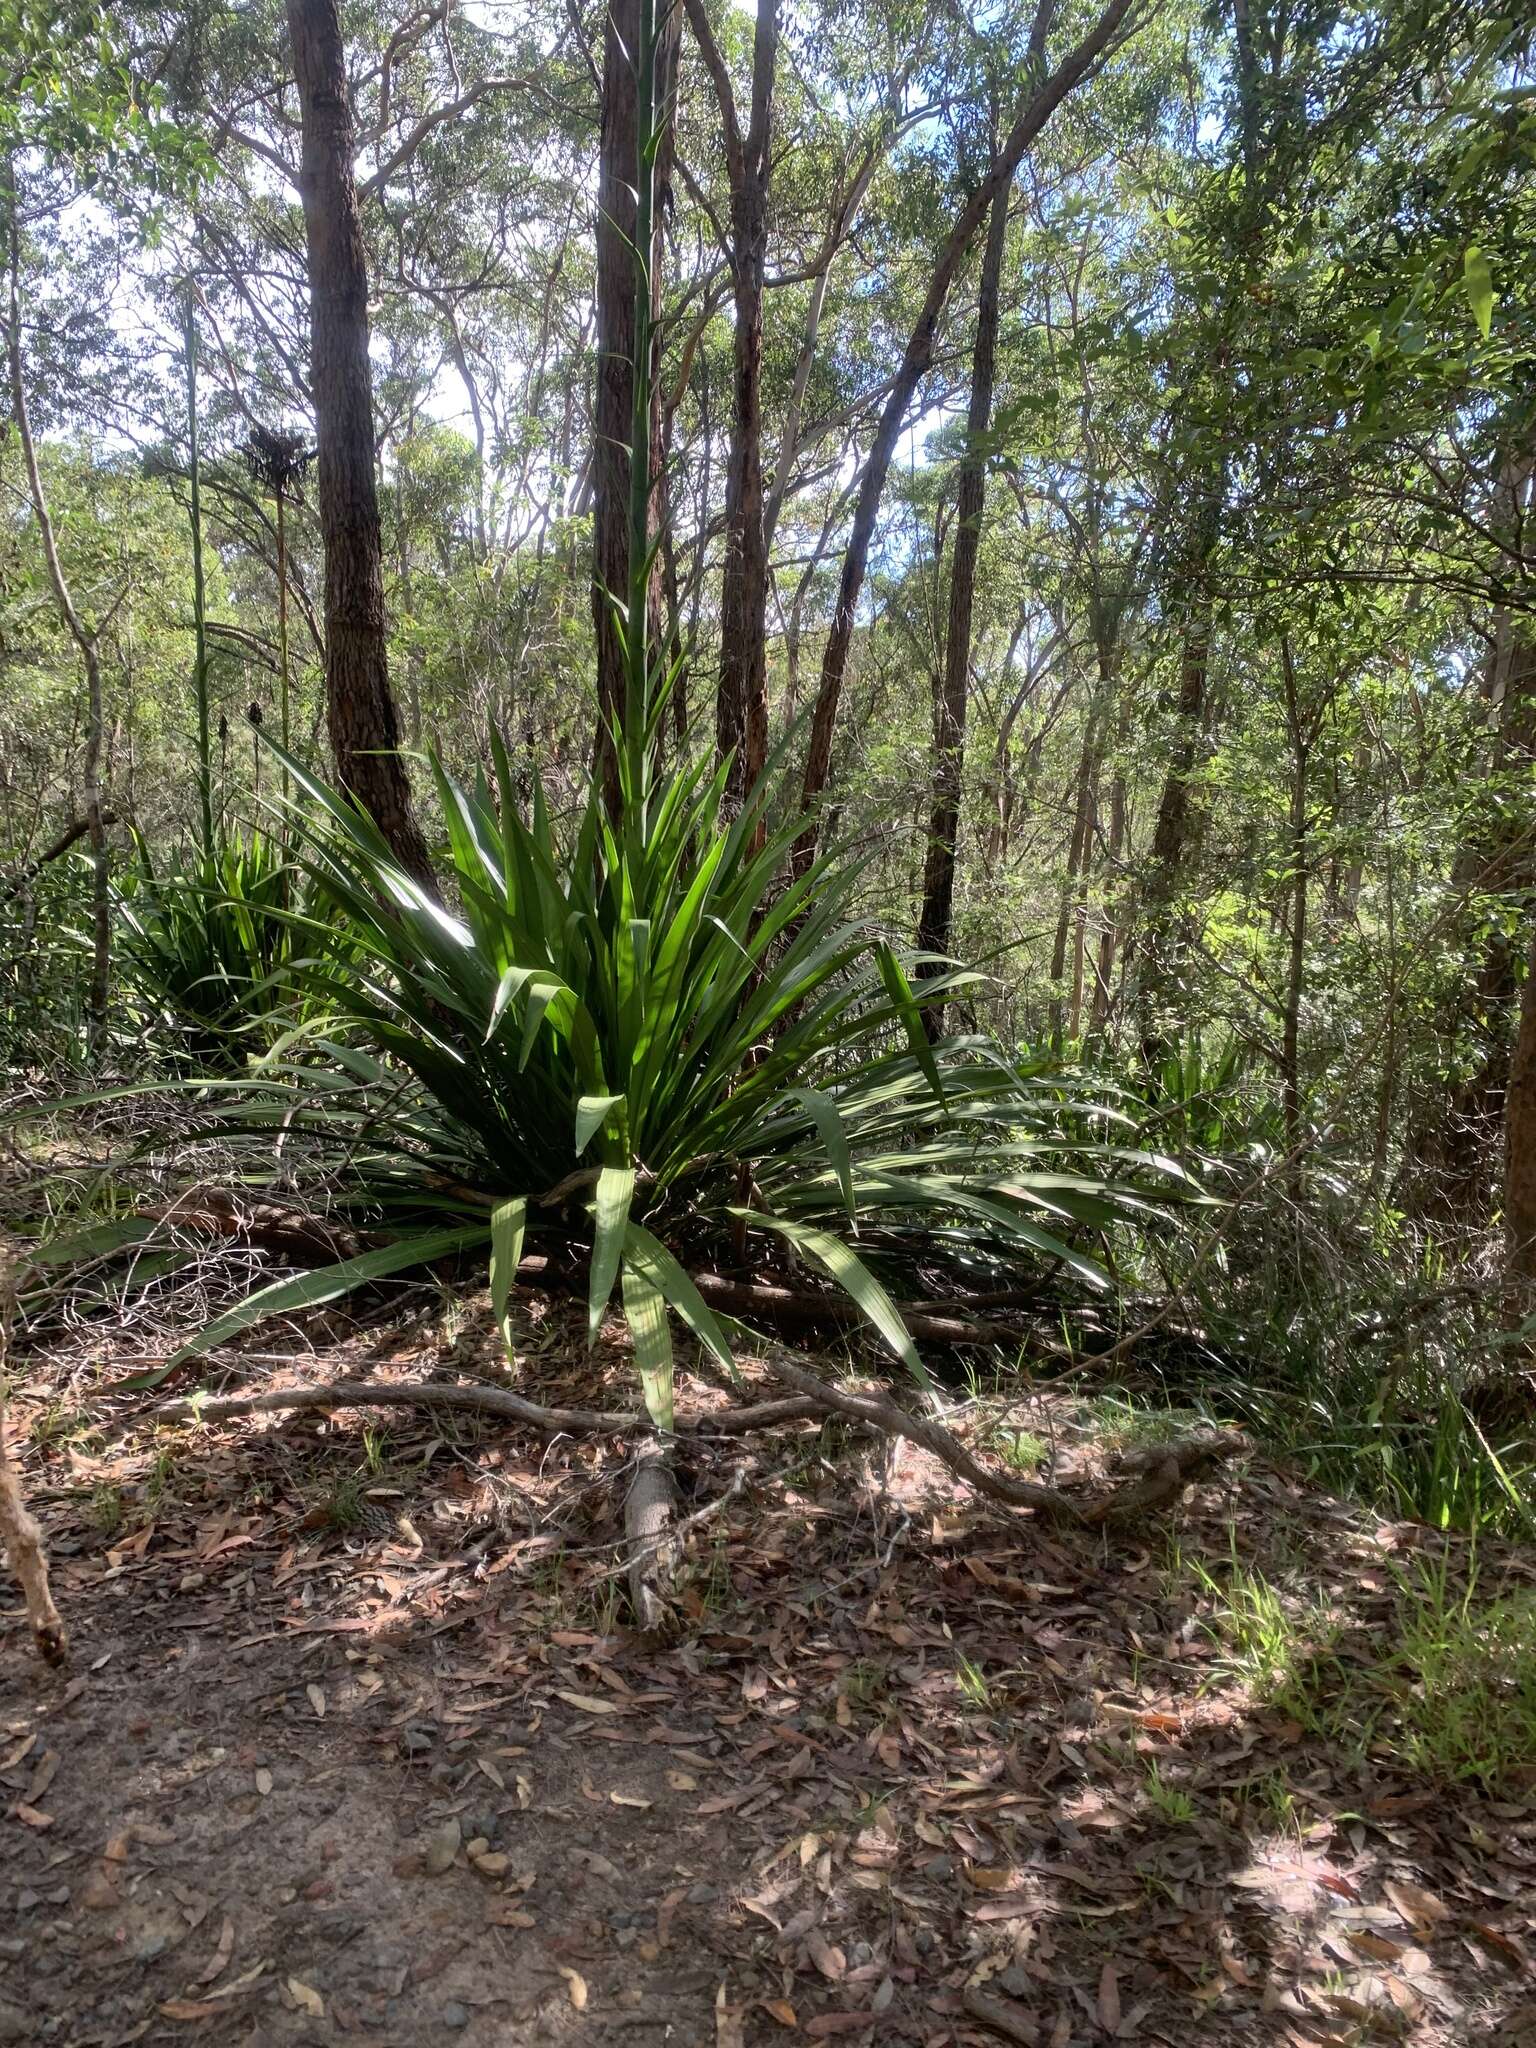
{"points": [[936, 918], [1073, 911], [1032, 117], [742, 698], [613, 400], [360, 709], [1520, 1157], [1454, 1145], [1174, 832]]}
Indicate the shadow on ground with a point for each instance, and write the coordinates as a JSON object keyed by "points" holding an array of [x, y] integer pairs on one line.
{"points": [[356, 1746]]}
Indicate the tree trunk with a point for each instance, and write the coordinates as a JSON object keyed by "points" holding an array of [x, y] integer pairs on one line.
{"points": [[1109, 938], [1078, 850], [1296, 950], [360, 711], [742, 700], [1520, 1156], [916, 357], [951, 700], [1173, 834], [1455, 1148], [199, 590], [613, 402]]}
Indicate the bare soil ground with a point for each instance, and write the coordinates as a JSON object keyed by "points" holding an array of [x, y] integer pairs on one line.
{"points": [[356, 1746]]}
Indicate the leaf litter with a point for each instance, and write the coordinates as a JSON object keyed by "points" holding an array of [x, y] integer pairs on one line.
{"points": [[912, 1773]]}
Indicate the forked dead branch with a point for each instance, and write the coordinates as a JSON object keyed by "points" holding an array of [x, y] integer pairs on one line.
{"points": [[18, 1528]]}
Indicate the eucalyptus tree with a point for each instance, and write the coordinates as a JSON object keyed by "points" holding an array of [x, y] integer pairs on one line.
{"points": [[1044, 89]]}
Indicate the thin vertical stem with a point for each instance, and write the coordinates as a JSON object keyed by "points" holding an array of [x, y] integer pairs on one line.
{"points": [[199, 599], [636, 747], [282, 641]]}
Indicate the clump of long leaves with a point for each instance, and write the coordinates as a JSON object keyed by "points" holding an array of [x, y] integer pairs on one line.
{"points": [[632, 1038], [210, 948]]}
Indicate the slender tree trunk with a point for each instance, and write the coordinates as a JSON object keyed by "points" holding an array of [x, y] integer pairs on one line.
{"points": [[951, 699], [918, 354], [1078, 848], [1459, 1145], [613, 403], [199, 592], [1157, 939], [86, 640], [1300, 874], [1520, 1156], [1109, 938], [742, 699], [284, 678], [360, 709]]}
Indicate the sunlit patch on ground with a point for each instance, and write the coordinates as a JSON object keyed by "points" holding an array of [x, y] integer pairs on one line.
{"points": [[357, 1746]]}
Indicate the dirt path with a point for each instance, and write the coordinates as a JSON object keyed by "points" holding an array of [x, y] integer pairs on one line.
{"points": [[356, 1747]]}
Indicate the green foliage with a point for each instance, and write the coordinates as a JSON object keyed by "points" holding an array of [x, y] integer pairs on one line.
{"points": [[1447, 1689], [629, 1033], [212, 950]]}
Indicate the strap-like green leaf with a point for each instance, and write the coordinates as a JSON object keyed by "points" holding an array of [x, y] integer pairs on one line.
{"points": [[844, 1266], [899, 989], [648, 1255], [646, 1313], [610, 1209], [592, 1112], [823, 1113], [94, 1242], [509, 1220]]}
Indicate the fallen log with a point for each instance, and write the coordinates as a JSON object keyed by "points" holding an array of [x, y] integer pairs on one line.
{"points": [[1156, 1476], [797, 1309], [474, 1398], [316, 1240], [1162, 1474], [649, 1506]]}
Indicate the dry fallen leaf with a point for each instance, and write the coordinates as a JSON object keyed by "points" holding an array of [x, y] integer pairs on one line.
{"points": [[679, 1781], [306, 1997], [219, 1960], [1376, 1946], [629, 1799], [1109, 1999], [263, 1781], [99, 1893], [587, 1705], [186, 2009], [43, 1776], [575, 1984], [1418, 1907], [31, 1816], [831, 1962], [781, 2010], [316, 1700], [503, 1915]]}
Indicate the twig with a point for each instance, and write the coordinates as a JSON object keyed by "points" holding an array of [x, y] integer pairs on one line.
{"points": [[476, 1399], [1163, 1474]]}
